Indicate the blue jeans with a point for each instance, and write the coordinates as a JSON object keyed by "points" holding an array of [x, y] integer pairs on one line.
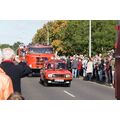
{"points": [[100, 75], [89, 76], [74, 72], [84, 72]]}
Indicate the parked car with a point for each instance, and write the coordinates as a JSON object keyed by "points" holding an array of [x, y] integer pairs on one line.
{"points": [[55, 72]]}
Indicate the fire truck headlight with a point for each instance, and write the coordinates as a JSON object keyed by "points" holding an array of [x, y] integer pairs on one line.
{"points": [[41, 60], [67, 76]]}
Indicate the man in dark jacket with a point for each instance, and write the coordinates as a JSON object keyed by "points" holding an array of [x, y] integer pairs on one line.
{"points": [[14, 71]]}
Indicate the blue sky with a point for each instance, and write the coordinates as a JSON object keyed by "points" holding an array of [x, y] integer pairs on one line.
{"points": [[12, 31]]}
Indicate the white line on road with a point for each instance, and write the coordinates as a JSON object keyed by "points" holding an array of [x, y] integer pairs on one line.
{"points": [[69, 93]]}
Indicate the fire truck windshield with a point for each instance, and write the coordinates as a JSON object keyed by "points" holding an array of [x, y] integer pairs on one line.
{"points": [[40, 50]]}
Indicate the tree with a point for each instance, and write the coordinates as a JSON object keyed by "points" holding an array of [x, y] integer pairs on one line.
{"points": [[16, 45], [103, 35], [72, 36], [54, 29], [76, 37], [5, 46], [57, 44]]}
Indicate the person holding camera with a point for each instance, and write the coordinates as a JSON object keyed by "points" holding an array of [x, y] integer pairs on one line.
{"points": [[13, 70]]}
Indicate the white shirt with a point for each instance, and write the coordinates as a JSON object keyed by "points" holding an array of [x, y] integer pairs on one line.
{"points": [[89, 67]]}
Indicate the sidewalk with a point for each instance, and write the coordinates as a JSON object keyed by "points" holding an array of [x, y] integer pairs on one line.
{"points": [[98, 82]]}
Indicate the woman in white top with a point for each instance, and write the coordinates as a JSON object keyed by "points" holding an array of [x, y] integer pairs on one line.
{"points": [[89, 70]]}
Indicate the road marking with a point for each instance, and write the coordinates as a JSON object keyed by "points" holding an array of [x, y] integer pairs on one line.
{"points": [[69, 93]]}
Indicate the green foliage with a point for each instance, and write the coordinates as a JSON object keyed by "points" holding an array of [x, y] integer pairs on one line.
{"points": [[74, 36], [103, 35], [14, 46], [5, 46]]}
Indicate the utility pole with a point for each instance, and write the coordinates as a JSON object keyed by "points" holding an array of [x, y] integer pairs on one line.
{"points": [[89, 38], [47, 35]]}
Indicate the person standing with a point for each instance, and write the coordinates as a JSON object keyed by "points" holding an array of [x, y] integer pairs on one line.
{"points": [[107, 71], [89, 70], [113, 71], [84, 66], [69, 63], [79, 67], [101, 71], [14, 68], [6, 87], [74, 67]]}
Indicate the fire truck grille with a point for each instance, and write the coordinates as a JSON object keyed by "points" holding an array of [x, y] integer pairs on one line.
{"points": [[39, 61]]}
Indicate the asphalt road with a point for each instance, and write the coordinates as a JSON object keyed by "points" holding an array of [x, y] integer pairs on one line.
{"points": [[79, 90]]}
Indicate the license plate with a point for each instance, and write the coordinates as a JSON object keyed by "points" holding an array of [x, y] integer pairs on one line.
{"points": [[59, 80]]}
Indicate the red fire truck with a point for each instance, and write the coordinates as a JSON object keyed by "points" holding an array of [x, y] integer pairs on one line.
{"points": [[36, 55]]}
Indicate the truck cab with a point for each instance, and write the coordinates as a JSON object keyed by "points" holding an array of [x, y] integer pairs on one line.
{"points": [[36, 55]]}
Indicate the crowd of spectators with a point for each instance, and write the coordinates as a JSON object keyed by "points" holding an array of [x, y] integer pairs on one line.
{"points": [[97, 68]]}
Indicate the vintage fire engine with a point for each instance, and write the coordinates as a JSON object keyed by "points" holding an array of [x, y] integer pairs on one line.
{"points": [[35, 55]]}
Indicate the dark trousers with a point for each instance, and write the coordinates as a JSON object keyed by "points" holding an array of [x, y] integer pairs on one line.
{"points": [[89, 76]]}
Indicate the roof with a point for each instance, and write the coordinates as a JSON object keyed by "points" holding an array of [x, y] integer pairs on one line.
{"points": [[40, 46]]}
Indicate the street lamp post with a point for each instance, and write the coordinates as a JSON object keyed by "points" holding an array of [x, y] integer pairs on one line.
{"points": [[47, 35], [89, 38]]}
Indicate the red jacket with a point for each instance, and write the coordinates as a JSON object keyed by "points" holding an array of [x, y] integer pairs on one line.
{"points": [[79, 65]]}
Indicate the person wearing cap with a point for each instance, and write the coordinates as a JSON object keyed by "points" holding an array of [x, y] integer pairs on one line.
{"points": [[13, 70]]}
